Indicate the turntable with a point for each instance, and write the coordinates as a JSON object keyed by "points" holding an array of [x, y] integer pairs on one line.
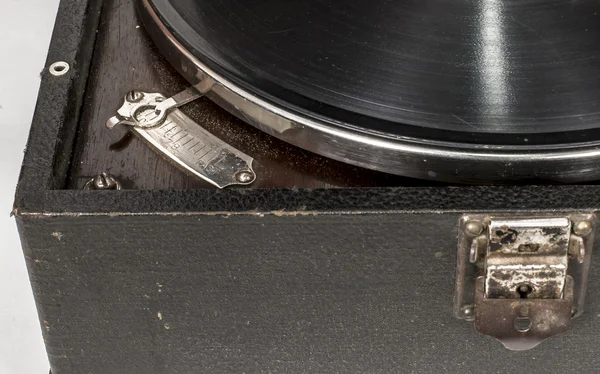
{"points": [[269, 186]]}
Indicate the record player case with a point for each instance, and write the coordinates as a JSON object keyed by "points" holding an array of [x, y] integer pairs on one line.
{"points": [[318, 267]]}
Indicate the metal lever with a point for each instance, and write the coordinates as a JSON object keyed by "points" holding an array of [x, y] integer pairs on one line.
{"points": [[192, 148], [145, 113]]}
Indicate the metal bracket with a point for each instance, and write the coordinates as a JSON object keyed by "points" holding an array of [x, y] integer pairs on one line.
{"points": [[522, 279], [157, 120]]}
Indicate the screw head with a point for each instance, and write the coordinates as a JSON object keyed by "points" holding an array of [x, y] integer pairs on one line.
{"points": [[134, 96], [582, 228], [245, 176], [474, 228], [103, 181]]}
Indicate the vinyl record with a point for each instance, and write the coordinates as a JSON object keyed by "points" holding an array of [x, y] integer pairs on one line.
{"points": [[521, 77]]}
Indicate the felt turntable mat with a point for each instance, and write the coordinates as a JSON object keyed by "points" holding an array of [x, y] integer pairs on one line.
{"points": [[508, 71]]}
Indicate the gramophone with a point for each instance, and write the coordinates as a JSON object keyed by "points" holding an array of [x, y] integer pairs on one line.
{"points": [[316, 186]]}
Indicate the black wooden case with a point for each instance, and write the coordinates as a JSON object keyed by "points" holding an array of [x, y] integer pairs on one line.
{"points": [[320, 267]]}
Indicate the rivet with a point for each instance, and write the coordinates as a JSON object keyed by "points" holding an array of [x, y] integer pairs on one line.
{"points": [[245, 177], [474, 228], [468, 312], [583, 228]]}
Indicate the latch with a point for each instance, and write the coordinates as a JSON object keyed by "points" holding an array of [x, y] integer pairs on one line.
{"points": [[522, 279]]}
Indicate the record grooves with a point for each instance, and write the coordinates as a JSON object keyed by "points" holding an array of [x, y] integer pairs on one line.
{"points": [[459, 91]]}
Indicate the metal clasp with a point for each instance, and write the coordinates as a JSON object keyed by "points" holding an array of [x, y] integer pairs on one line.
{"points": [[522, 279]]}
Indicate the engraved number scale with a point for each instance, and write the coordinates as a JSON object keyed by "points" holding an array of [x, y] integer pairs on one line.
{"points": [[158, 121]]}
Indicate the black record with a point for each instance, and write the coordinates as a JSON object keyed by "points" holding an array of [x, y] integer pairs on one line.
{"points": [[469, 71]]}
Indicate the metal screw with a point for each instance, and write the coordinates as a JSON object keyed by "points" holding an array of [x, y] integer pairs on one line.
{"points": [[468, 311], [582, 228], [103, 181], [245, 177], [474, 228], [134, 96]]}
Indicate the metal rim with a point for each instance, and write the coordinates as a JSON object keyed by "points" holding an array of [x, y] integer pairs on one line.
{"points": [[436, 161]]}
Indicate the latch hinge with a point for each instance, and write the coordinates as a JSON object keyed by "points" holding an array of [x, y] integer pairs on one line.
{"points": [[522, 279]]}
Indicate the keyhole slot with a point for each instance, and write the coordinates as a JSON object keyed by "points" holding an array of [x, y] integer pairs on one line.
{"points": [[524, 290]]}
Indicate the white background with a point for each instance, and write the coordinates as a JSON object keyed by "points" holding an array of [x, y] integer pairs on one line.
{"points": [[25, 30]]}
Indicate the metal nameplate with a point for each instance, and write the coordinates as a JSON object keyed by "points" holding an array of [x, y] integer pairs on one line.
{"points": [[182, 140]]}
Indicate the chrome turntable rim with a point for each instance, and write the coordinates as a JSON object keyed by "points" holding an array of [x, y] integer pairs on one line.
{"points": [[435, 160]]}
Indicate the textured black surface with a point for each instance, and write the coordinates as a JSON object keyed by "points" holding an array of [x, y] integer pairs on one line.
{"points": [[281, 294], [56, 115], [496, 67], [416, 199], [50, 144]]}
